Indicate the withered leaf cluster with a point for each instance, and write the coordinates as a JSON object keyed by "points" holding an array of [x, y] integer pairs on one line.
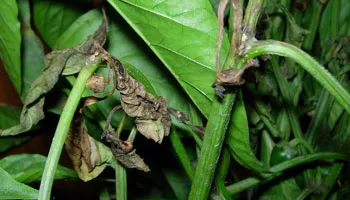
{"points": [[67, 61], [89, 157], [152, 118]]}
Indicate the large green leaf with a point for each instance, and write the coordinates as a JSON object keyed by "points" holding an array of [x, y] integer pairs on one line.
{"points": [[183, 34], [11, 189], [27, 168], [238, 138], [10, 41], [137, 59], [52, 18], [32, 50]]}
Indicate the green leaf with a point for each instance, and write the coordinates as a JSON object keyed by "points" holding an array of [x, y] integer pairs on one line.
{"points": [[238, 138], [286, 189], [79, 30], [334, 21], [184, 40], [32, 50], [52, 18], [10, 41], [27, 168], [11, 189]]}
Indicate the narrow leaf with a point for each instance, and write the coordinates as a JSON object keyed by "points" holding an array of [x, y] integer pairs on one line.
{"points": [[238, 138]]}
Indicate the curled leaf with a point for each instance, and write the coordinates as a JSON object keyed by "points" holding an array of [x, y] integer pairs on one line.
{"points": [[96, 83], [89, 157], [130, 159], [152, 116], [66, 61]]}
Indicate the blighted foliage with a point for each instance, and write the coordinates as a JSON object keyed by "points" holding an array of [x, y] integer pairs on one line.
{"points": [[66, 62], [152, 116], [89, 157]]}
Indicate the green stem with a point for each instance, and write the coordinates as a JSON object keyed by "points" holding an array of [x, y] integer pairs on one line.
{"points": [[304, 194], [242, 185], [252, 14], [214, 136], [287, 98], [121, 190], [334, 18], [304, 60], [221, 173], [301, 141], [278, 169], [121, 182], [132, 134], [331, 178], [62, 130], [181, 153], [316, 15]]}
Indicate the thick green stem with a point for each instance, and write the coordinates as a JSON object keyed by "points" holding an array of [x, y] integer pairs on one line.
{"points": [[212, 144], [304, 60], [62, 130]]}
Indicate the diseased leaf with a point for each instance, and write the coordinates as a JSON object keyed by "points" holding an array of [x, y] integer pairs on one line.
{"points": [[137, 59], [10, 42], [32, 50], [238, 138], [152, 116], [11, 189], [89, 157], [130, 159], [55, 63], [187, 48], [27, 168], [52, 18]]}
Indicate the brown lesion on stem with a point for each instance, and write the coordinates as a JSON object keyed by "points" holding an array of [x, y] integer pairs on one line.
{"points": [[231, 77]]}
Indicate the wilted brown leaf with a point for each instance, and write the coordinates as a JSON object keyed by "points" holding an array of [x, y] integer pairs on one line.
{"points": [[152, 116], [66, 61], [130, 159], [89, 157]]}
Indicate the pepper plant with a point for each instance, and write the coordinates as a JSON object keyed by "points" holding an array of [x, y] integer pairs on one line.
{"points": [[196, 99]]}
